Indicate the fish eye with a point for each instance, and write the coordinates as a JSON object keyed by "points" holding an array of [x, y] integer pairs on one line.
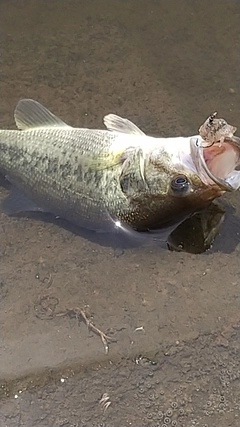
{"points": [[180, 185]]}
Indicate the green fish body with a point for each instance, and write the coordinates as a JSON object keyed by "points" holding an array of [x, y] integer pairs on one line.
{"points": [[100, 178]]}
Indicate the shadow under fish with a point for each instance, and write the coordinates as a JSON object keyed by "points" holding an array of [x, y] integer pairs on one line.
{"points": [[195, 234]]}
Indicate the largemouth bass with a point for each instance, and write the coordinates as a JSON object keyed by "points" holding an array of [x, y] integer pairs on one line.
{"points": [[119, 177]]}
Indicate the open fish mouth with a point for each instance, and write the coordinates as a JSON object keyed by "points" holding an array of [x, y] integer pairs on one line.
{"points": [[217, 163]]}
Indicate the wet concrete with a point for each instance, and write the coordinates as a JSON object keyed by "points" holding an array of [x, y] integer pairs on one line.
{"points": [[166, 68]]}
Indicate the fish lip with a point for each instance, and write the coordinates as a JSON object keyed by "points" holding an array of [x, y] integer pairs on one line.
{"points": [[235, 140], [197, 151]]}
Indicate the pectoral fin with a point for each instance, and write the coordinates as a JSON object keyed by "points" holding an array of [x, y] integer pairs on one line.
{"points": [[132, 178]]}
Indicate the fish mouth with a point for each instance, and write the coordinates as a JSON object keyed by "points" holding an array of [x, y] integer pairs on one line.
{"points": [[216, 163]]}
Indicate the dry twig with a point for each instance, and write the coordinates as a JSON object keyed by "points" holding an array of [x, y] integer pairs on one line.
{"points": [[45, 309], [78, 313]]}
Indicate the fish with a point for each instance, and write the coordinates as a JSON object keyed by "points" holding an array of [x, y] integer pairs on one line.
{"points": [[118, 178]]}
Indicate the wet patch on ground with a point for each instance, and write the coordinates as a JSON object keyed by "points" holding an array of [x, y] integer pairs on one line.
{"points": [[188, 385]]}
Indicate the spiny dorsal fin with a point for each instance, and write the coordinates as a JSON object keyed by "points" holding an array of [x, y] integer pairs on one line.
{"points": [[118, 124], [30, 114]]}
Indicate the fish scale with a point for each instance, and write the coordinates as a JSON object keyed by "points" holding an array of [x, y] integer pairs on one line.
{"points": [[54, 169]]}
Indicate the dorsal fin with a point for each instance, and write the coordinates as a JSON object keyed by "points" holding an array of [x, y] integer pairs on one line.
{"points": [[30, 114], [118, 124]]}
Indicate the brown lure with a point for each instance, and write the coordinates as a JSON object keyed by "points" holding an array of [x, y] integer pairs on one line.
{"points": [[215, 130]]}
